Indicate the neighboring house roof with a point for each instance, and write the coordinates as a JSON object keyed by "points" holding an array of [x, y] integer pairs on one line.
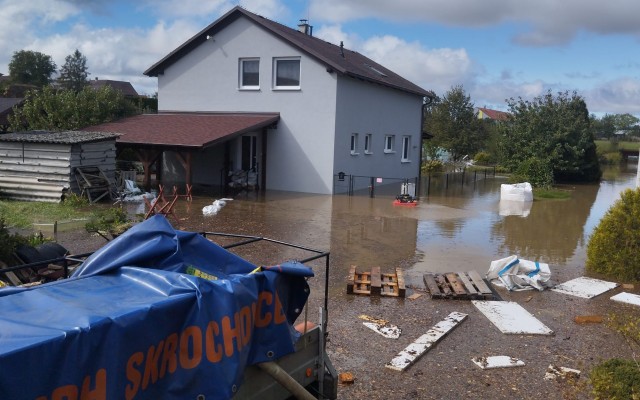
{"points": [[125, 87], [336, 58], [63, 137], [197, 130], [6, 107], [494, 114]]}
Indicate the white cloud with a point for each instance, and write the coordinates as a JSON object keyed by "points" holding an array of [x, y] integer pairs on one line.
{"points": [[540, 23], [432, 69], [618, 96]]}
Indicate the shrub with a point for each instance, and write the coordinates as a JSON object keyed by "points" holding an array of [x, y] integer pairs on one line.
{"points": [[616, 379], [113, 221], [614, 245], [482, 158], [75, 200], [536, 171], [432, 166]]}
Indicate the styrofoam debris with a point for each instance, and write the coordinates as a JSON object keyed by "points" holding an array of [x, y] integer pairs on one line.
{"points": [[554, 372], [628, 298], [389, 331], [497, 362], [585, 287], [511, 317], [215, 207], [422, 344]]}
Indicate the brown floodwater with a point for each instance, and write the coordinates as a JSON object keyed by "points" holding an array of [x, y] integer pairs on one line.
{"points": [[460, 227]]}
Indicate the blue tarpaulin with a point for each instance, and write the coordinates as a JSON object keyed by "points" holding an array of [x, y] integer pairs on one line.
{"points": [[155, 314]]}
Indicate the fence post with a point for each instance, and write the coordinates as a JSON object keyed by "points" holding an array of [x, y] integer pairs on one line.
{"points": [[372, 187], [446, 181], [429, 184]]}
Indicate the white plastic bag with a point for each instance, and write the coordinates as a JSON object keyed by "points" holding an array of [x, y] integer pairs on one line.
{"points": [[517, 274]]}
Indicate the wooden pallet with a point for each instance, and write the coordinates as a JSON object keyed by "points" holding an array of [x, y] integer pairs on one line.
{"points": [[458, 285], [374, 283]]}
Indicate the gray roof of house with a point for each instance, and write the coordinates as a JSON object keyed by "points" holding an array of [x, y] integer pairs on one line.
{"points": [[343, 61], [125, 87], [63, 137]]}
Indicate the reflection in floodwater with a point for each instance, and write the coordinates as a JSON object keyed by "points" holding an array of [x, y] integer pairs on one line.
{"points": [[457, 229], [551, 232]]}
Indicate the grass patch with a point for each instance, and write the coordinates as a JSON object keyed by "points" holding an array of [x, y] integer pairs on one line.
{"points": [[551, 194], [22, 214], [608, 146]]}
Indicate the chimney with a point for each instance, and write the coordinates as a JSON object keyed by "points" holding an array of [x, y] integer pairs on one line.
{"points": [[305, 28]]}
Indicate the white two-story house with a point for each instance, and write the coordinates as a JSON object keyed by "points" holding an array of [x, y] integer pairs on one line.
{"points": [[318, 109]]}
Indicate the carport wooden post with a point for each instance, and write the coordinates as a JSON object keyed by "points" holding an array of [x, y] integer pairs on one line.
{"points": [[185, 160], [147, 157]]}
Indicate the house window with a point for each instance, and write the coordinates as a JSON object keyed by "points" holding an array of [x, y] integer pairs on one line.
{"points": [[286, 73], [367, 144], [249, 73], [388, 143], [406, 145], [354, 144]]}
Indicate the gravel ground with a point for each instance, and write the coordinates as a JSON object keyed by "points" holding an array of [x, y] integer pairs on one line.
{"points": [[446, 371]]}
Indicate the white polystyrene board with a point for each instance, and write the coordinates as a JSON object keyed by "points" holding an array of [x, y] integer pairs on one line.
{"points": [[387, 330], [584, 287], [511, 317], [497, 362], [420, 346], [628, 298], [554, 372]]}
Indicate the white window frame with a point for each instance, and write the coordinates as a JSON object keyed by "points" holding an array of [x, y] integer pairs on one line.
{"points": [[275, 85], [241, 84], [367, 143], [389, 143], [354, 144], [406, 149]]}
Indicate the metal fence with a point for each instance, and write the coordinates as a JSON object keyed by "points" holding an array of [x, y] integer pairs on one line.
{"points": [[357, 185]]}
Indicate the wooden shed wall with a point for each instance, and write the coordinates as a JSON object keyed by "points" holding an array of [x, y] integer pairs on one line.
{"points": [[41, 171]]}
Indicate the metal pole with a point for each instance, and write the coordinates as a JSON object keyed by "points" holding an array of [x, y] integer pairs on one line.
{"points": [[281, 376]]}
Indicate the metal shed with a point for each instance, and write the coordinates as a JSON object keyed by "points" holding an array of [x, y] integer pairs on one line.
{"points": [[40, 165]]}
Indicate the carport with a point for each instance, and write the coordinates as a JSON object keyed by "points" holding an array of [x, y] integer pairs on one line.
{"points": [[185, 134]]}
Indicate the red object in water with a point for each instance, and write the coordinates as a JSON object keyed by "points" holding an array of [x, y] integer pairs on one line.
{"points": [[408, 203]]}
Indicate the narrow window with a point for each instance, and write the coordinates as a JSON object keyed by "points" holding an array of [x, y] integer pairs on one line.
{"points": [[388, 143], [286, 73], [367, 144], [354, 143], [249, 156], [249, 73], [406, 144]]}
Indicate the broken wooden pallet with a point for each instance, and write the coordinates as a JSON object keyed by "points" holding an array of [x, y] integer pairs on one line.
{"points": [[458, 285], [374, 283]]}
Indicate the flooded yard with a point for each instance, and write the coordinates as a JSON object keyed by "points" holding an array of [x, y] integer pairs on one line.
{"points": [[460, 229]]}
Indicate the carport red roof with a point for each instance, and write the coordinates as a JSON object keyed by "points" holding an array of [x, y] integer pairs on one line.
{"points": [[197, 130]]}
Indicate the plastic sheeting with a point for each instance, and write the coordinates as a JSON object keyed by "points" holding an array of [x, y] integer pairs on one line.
{"points": [[156, 313], [517, 274]]}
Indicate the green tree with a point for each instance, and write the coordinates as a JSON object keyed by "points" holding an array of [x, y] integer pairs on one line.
{"points": [[454, 125], [31, 67], [66, 109], [73, 74], [554, 129]]}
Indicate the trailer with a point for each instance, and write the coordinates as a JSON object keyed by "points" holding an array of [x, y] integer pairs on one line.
{"points": [[159, 313]]}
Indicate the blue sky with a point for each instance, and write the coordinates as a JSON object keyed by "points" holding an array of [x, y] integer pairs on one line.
{"points": [[495, 49]]}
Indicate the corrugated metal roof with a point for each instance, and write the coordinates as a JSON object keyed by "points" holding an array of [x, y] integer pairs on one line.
{"points": [[185, 129], [337, 58], [63, 137]]}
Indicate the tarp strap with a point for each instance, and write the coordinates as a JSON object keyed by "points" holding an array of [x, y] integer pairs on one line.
{"points": [[508, 267], [535, 271]]}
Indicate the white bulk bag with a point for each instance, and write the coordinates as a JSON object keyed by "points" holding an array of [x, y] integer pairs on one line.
{"points": [[516, 192]]}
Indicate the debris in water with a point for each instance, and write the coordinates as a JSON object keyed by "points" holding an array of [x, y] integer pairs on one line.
{"points": [[215, 207]]}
